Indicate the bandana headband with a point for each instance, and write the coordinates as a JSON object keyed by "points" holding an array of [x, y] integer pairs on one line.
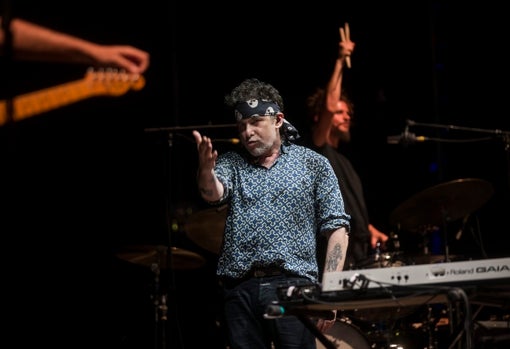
{"points": [[256, 107], [264, 107]]}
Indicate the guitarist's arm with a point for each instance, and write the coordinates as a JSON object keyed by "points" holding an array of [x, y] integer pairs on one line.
{"points": [[34, 42]]}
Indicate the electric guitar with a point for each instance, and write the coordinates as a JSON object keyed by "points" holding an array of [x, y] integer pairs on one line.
{"points": [[95, 83]]}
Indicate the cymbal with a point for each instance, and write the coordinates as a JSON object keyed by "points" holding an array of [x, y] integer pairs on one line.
{"points": [[162, 257], [205, 228], [445, 202]]}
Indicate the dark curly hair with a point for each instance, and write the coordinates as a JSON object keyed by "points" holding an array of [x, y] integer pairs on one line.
{"points": [[253, 89]]}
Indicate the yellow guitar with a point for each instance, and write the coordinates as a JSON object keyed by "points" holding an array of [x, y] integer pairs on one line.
{"points": [[95, 83]]}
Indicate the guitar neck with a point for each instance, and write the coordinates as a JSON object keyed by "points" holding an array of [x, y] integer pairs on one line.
{"points": [[94, 84], [44, 100]]}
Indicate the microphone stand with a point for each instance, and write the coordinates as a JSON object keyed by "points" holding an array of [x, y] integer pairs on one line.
{"points": [[505, 135], [497, 132], [183, 128]]}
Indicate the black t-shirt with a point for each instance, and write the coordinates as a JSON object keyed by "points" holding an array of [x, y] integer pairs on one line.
{"points": [[354, 202]]}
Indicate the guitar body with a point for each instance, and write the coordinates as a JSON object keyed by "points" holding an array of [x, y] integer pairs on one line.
{"points": [[95, 83]]}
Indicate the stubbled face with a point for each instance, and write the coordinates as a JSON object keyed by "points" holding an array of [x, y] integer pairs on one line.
{"points": [[260, 134], [341, 122]]}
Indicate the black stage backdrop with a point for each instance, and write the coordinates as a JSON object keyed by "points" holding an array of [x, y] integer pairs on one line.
{"points": [[87, 179]]}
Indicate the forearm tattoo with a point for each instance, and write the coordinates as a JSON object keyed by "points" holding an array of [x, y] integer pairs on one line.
{"points": [[207, 190], [334, 257]]}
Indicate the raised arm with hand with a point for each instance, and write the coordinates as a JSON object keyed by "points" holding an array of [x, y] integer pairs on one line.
{"points": [[210, 187], [37, 43], [322, 132]]}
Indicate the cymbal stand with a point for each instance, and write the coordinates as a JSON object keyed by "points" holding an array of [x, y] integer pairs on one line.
{"points": [[444, 213], [424, 232], [430, 323], [160, 309]]}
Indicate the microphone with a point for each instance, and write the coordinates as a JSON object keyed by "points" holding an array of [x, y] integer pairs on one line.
{"points": [[227, 140], [405, 138], [274, 311]]}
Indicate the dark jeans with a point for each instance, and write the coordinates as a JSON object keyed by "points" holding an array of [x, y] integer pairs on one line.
{"points": [[245, 303]]}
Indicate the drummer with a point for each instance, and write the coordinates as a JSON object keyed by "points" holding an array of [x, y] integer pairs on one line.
{"points": [[331, 113]]}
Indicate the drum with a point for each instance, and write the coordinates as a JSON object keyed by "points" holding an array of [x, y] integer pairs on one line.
{"points": [[345, 336], [383, 260]]}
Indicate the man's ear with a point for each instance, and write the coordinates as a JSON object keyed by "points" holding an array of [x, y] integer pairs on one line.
{"points": [[279, 119]]}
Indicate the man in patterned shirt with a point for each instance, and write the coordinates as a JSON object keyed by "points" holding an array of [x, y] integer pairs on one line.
{"points": [[280, 196]]}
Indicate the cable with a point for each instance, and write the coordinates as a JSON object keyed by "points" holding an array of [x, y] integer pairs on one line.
{"points": [[456, 294], [358, 283]]}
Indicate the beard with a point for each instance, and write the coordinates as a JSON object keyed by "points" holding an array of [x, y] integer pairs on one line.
{"points": [[260, 150], [343, 136]]}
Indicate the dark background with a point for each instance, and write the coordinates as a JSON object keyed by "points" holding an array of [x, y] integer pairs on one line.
{"points": [[87, 179]]}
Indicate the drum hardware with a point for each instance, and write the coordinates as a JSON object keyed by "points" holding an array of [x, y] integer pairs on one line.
{"points": [[430, 259], [159, 299], [378, 251], [440, 205], [445, 202], [384, 255], [205, 228], [345, 335], [176, 259], [383, 260], [162, 256], [407, 332], [395, 241], [158, 258]]}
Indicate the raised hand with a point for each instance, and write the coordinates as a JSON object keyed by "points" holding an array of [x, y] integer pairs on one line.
{"points": [[345, 36]]}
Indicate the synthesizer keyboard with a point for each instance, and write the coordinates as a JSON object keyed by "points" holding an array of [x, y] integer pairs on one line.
{"points": [[448, 273], [487, 282]]}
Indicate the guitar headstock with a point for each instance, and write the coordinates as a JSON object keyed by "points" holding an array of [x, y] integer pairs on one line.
{"points": [[113, 82]]}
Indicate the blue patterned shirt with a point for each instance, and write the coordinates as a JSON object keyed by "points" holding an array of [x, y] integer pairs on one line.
{"points": [[274, 214]]}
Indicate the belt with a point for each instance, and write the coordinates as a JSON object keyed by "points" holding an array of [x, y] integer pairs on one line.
{"points": [[265, 272], [253, 273]]}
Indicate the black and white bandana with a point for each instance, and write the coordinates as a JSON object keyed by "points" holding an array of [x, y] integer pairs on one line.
{"points": [[263, 107]]}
